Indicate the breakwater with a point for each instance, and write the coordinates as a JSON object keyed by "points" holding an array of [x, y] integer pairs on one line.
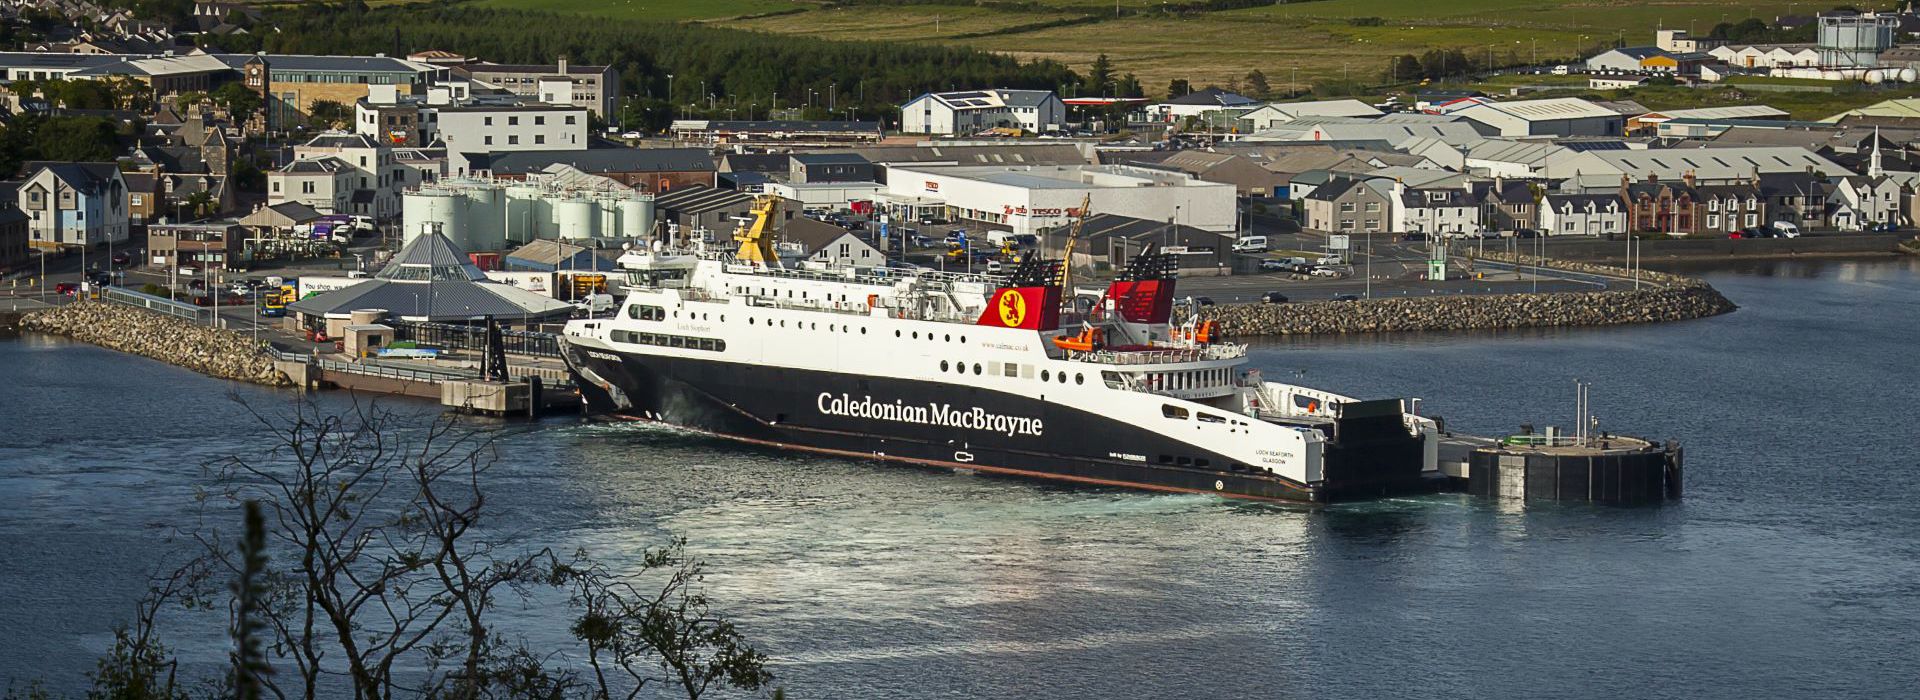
{"points": [[1661, 297], [214, 352]]}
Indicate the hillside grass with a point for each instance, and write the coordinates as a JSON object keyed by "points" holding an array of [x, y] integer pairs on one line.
{"points": [[1318, 40]]}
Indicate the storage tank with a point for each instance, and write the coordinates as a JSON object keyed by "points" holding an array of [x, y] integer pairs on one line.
{"points": [[1873, 77], [573, 218], [526, 219], [482, 219], [422, 210], [1855, 40], [636, 217], [608, 211], [1908, 75]]}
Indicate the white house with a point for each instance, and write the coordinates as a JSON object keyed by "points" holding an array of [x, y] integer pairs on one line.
{"points": [[961, 113], [1437, 211], [341, 173], [1766, 56], [75, 204], [1867, 201], [1582, 215]]}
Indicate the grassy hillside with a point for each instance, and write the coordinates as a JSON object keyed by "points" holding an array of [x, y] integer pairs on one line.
{"points": [[1317, 39]]}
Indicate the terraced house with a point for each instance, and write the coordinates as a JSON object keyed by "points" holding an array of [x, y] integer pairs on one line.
{"points": [[1346, 205]]}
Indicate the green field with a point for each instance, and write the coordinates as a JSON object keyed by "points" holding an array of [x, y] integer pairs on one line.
{"points": [[1322, 39]]}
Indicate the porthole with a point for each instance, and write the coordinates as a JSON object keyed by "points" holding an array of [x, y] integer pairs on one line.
{"points": [[949, 337], [963, 339], [1063, 377], [896, 332], [1079, 378], [943, 365], [916, 335], [783, 323], [863, 330], [976, 368], [1045, 376]]}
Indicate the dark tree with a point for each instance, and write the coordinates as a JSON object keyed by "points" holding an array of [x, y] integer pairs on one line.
{"points": [[1257, 85], [1101, 74], [1179, 87]]}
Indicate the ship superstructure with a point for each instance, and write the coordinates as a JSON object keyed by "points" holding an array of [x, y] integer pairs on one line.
{"points": [[987, 372]]}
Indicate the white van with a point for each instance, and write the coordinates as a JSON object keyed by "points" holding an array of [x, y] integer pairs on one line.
{"points": [[1251, 244], [1335, 259], [1562, 70], [1786, 229]]}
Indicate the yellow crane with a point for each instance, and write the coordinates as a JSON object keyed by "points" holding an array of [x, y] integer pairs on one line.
{"points": [[755, 237], [1073, 236]]}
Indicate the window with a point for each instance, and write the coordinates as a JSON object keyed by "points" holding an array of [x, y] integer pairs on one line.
{"points": [[976, 368], [488, 121], [513, 139], [489, 140], [1079, 378], [646, 313], [1373, 206], [670, 341], [539, 121], [513, 121], [943, 365], [539, 138], [1172, 411], [1346, 207], [1010, 370], [1346, 224], [570, 119], [1210, 418]]}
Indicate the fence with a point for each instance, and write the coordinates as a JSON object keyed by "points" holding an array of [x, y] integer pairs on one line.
{"points": [[455, 337], [177, 309]]}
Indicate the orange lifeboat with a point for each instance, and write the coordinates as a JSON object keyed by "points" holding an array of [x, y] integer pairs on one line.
{"points": [[1088, 339]]}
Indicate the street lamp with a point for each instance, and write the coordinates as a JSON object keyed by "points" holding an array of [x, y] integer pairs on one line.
{"points": [[669, 88]]}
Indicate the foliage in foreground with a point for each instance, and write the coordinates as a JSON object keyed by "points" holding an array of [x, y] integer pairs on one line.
{"points": [[366, 564]]}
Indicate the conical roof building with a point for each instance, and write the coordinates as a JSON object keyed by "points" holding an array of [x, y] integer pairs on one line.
{"points": [[433, 280]]}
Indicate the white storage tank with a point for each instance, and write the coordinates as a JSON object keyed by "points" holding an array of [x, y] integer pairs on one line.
{"points": [[427, 209], [482, 220], [636, 218], [573, 218]]}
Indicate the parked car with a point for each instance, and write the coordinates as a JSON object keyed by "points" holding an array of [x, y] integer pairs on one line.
{"points": [[1203, 301], [1332, 260], [1324, 271], [67, 288], [1275, 265], [1273, 298], [1525, 233], [122, 259], [632, 135], [1346, 297]]}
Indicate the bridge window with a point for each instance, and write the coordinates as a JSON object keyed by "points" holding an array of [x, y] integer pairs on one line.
{"points": [[1172, 411], [670, 341], [646, 313]]}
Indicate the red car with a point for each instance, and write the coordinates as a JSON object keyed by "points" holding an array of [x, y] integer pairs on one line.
{"points": [[67, 288], [1736, 234]]}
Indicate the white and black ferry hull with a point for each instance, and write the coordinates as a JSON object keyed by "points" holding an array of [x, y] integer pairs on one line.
{"points": [[806, 409]]}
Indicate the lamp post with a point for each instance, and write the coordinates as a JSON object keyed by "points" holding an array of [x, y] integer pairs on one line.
{"points": [[669, 88]]}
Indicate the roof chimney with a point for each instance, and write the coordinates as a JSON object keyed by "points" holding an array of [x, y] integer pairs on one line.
{"points": [[563, 66]]}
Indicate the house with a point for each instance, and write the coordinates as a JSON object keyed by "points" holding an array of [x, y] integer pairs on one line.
{"points": [[1561, 116], [1654, 206], [1437, 211], [1350, 205], [1862, 202], [278, 219], [970, 111], [75, 204], [1766, 56], [1626, 59], [341, 173], [1582, 215], [325, 184], [1683, 41], [828, 167], [1730, 207], [1506, 205], [655, 170], [1798, 198], [802, 238], [471, 124], [1198, 102]]}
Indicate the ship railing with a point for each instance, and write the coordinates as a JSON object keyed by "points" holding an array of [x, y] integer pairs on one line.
{"points": [[1159, 356]]}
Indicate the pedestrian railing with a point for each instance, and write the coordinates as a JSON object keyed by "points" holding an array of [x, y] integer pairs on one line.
{"points": [[177, 309]]}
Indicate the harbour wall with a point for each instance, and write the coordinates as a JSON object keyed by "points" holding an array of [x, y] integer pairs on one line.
{"points": [[214, 352], [1661, 297]]}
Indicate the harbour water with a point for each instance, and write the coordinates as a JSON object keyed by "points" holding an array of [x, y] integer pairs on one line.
{"points": [[1792, 567]]}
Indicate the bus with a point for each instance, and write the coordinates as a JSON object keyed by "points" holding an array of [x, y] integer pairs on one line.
{"points": [[274, 300]]}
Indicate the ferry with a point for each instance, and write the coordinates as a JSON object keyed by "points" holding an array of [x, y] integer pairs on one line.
{"points": [[993, 373]]}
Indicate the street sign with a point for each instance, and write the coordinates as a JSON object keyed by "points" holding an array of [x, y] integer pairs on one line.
{"points": [[1337, 241]]}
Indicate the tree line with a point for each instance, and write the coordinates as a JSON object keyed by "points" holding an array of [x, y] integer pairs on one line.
{"points": [[712, 69]]}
